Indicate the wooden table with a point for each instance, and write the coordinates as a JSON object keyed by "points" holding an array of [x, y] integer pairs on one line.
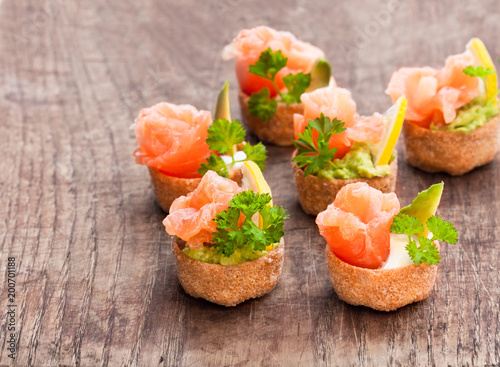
{"points": [[95, 279]]}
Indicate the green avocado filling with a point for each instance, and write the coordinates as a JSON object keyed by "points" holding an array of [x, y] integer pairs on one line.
{"points": [[210, 255], [355, 164], [474, 114]]}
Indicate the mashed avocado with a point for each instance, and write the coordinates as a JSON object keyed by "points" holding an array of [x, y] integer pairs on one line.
{"points": [[355, 164], [210, 255], [471, 116]]}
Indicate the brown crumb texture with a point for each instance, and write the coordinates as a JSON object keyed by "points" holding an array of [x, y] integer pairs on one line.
{"points": [[229, 285], [450, 152], [168, 188], [316, 193], [380, 289], [279, 129]]}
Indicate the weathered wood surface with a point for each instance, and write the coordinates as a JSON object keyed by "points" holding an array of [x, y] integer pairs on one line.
{"points": [[96, 282]]}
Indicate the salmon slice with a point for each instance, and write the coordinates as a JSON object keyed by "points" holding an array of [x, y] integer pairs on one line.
{"points": [[337, 103], [357, 224], [171, 138], [191, 217], [249, 44], [435, 95]]}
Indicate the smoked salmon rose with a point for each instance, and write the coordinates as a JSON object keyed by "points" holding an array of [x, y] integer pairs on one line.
{"points": [[171, 139], [433, 95]]}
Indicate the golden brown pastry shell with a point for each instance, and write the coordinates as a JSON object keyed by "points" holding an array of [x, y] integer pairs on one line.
{"points": [[380, 289], [451, 152], [229, 285], [279, 129]]}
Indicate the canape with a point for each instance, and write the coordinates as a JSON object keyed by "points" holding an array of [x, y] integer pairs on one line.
{"points": [[378, 255], [228, 242], [336, 146], [452, 119], [273, 69]]}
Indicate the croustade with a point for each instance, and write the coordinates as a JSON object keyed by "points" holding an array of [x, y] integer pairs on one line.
{"points": [[229, 285], [451, 152]]}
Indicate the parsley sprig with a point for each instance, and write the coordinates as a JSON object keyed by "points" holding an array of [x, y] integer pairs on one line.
{"points": [[231, 236], [425, 250], [269, 64], [481, 72], [315, 153], [223, 137]]}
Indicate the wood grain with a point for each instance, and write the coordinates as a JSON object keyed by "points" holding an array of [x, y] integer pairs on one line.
{"points": [[96, 282]]}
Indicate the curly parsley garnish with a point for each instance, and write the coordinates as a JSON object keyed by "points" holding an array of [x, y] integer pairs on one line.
{"points": [[425, 250], [481, 72], [223, 136], [316, 155], [260, 104], [231, 236]]}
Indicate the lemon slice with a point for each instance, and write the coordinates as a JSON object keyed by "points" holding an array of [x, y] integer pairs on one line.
{"points": [[393, 118], [482, 58], [254, 180]]}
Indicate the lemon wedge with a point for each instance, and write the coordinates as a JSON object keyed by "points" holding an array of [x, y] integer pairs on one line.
{"points": [[254, 180], [482, 58], [393, 119]]}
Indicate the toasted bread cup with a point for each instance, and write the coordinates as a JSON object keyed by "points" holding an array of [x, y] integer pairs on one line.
{"points": [[229, 285], [168, 188], [451, 152], [279, 129], [316, 193], [380, 289]]}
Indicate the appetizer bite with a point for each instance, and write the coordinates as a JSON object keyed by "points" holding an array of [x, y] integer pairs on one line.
{"points": [[228, 242], [378, 255], [273, 70], [179, 144], [452, 118], [336, 146]]}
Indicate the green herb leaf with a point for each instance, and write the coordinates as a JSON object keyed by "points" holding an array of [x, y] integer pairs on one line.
{"points": [[261, 105], [256, 238], [223, 135], [249, 202], [479, 71], [256, 153], [442, 230], [296, 85], [426, 250], [214, 163], [269, 64], [313, 154], [230, 236], [272, 219], [403, 223]]}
